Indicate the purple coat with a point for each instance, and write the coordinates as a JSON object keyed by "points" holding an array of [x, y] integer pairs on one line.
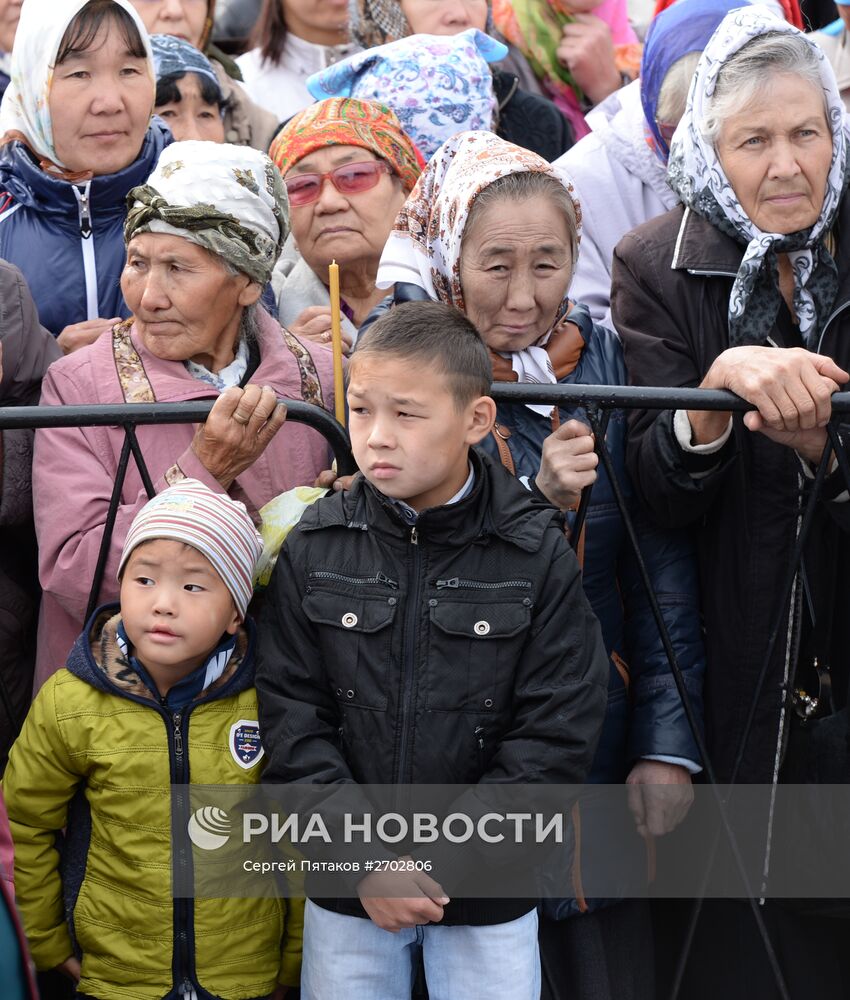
{"points": [[74, 468]]}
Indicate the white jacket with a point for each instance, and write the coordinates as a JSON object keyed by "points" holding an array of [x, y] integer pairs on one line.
{"points": [[620, 183]]}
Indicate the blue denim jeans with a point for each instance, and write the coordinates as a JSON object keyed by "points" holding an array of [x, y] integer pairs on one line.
{"points": [[350, 958]]}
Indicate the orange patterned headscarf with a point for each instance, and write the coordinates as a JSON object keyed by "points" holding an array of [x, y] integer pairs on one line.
{"points": [[344, 121]]}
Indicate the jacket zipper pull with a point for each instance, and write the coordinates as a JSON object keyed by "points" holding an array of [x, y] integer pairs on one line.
{"points": [[178, 737], [414, 536], [454, 583], [85, 216]]}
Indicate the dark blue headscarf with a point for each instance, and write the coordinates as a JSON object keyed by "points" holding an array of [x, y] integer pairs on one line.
{"points": [[175, 57], [685, 27]]}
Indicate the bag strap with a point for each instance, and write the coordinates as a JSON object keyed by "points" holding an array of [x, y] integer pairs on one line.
{"points": [[500, 436]]}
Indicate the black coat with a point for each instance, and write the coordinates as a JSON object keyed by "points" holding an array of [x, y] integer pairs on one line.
{"points": [[28, 350], [459, 651], [671, 283], [529, 120]]}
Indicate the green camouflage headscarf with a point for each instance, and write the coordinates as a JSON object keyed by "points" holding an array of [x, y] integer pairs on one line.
{"points": [[228, 199]]}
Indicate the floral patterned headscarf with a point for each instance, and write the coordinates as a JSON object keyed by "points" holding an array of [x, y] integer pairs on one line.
{"points": [[424, 247], [425, 243], [438, 85], [697, 176], [228, 199], [25, 111]]}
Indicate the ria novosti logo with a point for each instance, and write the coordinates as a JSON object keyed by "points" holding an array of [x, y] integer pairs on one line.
{"points": [[209, 828]]}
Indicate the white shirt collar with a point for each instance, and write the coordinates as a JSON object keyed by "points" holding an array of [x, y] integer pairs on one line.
{"points": [[410, 515]]}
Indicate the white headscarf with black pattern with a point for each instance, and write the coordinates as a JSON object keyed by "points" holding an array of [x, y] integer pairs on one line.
{"points": [[697, 176]]}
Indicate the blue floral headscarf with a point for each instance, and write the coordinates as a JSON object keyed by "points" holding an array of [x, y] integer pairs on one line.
{"points": [[438, 85]]}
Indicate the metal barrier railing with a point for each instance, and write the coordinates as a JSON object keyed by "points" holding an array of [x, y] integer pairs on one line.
{"points": [[597, 403]]}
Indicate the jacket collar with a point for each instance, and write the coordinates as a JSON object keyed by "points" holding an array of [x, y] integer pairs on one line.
{"points": [[147, 378], [97, 658], [497, 505], [31, 186], [703, 249]]}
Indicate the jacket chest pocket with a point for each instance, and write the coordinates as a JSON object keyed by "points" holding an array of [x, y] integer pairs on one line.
{"points": [[354, 635], [473, 652]]}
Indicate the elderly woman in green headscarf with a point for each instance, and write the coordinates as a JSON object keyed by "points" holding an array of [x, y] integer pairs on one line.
{"points": [[202, 238]]}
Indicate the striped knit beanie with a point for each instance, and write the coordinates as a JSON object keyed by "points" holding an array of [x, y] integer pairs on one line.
{"points": [[218, 527]]}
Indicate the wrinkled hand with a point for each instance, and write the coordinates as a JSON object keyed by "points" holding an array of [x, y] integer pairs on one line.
{"points": [[791, 387], [314, 324], [659, 796], [240, 426], [328, 480], [78, 335], [567, 465], [71, 968], [587, 51], [402, 899]]}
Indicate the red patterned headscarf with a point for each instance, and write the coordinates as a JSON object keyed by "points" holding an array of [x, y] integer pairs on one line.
{"points": [[344, 121]]}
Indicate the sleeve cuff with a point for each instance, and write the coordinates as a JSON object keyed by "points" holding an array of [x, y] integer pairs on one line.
{"points": [[691, 766], [834, 487], [192, 468], [684, 433]]}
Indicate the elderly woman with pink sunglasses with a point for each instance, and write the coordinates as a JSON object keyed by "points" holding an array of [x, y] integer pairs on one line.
{"points": [[348, 167]]}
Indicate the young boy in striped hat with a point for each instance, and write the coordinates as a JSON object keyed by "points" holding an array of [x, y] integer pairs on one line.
{"points": [[157, 693]]}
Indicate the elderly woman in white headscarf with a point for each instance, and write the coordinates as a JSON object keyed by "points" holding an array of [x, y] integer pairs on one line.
{"points": [[202, 238], [77, 134], [746, 287]]}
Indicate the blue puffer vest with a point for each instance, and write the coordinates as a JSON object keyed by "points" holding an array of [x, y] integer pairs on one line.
{"points": [[68, 239]]}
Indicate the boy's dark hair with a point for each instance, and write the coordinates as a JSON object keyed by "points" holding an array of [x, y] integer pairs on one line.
{"points": [[81, 32], [167, 91], [429, 333]]}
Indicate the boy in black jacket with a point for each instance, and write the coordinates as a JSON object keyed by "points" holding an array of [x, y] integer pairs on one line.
{"points": [[426, 626]]}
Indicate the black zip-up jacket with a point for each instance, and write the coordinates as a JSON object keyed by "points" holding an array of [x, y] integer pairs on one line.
{"points": [[457, 651]]}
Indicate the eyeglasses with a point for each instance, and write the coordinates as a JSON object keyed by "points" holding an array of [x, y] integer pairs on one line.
{"points": [[351, 178]]}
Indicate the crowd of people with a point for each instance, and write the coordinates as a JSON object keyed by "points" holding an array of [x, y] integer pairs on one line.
{"points": [[522, 191]]}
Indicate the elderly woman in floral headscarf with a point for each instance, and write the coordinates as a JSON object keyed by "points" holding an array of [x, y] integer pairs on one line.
{"points": [[348, 166], [746, 287], [202, 238], [493, 230]]}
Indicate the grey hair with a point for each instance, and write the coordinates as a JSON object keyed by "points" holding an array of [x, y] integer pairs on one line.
{"points": [[751, 68], [673, 95], [521, 187], [249, 325]]}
